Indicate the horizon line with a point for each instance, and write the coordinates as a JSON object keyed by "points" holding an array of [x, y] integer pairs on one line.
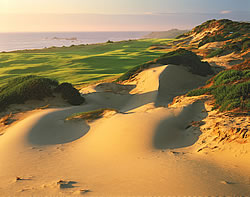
{"points": [[142, 13], [89, 31]]}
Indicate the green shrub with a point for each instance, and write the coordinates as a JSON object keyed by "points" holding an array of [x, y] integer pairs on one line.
{"points": [[230, 96], [70, 94], [21, 89]]}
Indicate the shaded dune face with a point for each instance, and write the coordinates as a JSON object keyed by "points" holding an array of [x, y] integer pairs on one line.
{"points": [[172, 132], [51, 129], [145, 131], [175, 81]]}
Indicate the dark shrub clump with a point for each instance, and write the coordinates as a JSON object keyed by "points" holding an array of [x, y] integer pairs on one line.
{"points": [[187, 59], [70, 94], [177, 57], [22, 89], [25, 88]]}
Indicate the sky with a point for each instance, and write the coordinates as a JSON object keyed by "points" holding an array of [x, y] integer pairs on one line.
{"points": [[115, 15]]}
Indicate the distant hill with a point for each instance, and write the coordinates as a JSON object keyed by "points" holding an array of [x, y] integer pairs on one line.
{"points": [[173, 33]]}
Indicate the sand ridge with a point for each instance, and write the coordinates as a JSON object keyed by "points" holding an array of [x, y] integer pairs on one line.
{"points": [[145, 149]]}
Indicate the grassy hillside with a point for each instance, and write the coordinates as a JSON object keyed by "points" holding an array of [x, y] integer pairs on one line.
{"points": [[78, 64], [234, 35], [173, 33]]}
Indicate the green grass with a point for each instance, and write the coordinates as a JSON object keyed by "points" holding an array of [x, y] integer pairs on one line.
{"points": [[79, 64], [230, 89], [230, 76], [90, 115], [198, 92], [233, 96]]}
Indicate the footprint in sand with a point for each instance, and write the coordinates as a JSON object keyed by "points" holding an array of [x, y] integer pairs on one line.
{"points": [[84, 191], [66, 184]]}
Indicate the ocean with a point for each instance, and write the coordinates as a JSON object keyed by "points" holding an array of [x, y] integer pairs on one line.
{"points": [[20, 41]]}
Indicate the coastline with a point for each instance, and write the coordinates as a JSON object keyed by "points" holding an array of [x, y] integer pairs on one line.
{"points": [[39, 40]]}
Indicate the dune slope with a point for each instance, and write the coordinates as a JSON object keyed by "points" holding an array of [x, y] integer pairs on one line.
{"points": [[145, 149]]}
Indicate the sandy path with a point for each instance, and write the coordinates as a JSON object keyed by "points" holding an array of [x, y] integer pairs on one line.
{"points": [[145, 150]]}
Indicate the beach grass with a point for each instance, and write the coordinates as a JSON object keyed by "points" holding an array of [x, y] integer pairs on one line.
{"points": [[230, 89], [91, 115], [81, 63]]}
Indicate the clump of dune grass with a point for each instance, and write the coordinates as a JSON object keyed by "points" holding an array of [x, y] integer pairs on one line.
{"points": [[70, 94], [91, 115], [31, 87], [230, 89], [21, 89]]}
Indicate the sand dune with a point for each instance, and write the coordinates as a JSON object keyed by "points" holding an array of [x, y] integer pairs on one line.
{"points": [[146, 149]]}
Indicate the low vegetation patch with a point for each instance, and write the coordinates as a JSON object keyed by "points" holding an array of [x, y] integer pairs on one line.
{"points": [[188, 59], [216, 52], [226, 30], [91, 115], [70, 94], [230, 89], [177, 57], [198, 92], [21, 89], [234, 34]]}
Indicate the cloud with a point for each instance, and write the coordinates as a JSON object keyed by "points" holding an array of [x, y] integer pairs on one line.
{"points": [[225, 11]]}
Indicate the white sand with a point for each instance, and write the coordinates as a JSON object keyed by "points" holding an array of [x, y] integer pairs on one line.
{"points": [[145, 150]]}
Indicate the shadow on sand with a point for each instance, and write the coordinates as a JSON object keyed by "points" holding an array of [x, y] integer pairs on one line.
{"points": [[51, 129], [172, 132]]}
